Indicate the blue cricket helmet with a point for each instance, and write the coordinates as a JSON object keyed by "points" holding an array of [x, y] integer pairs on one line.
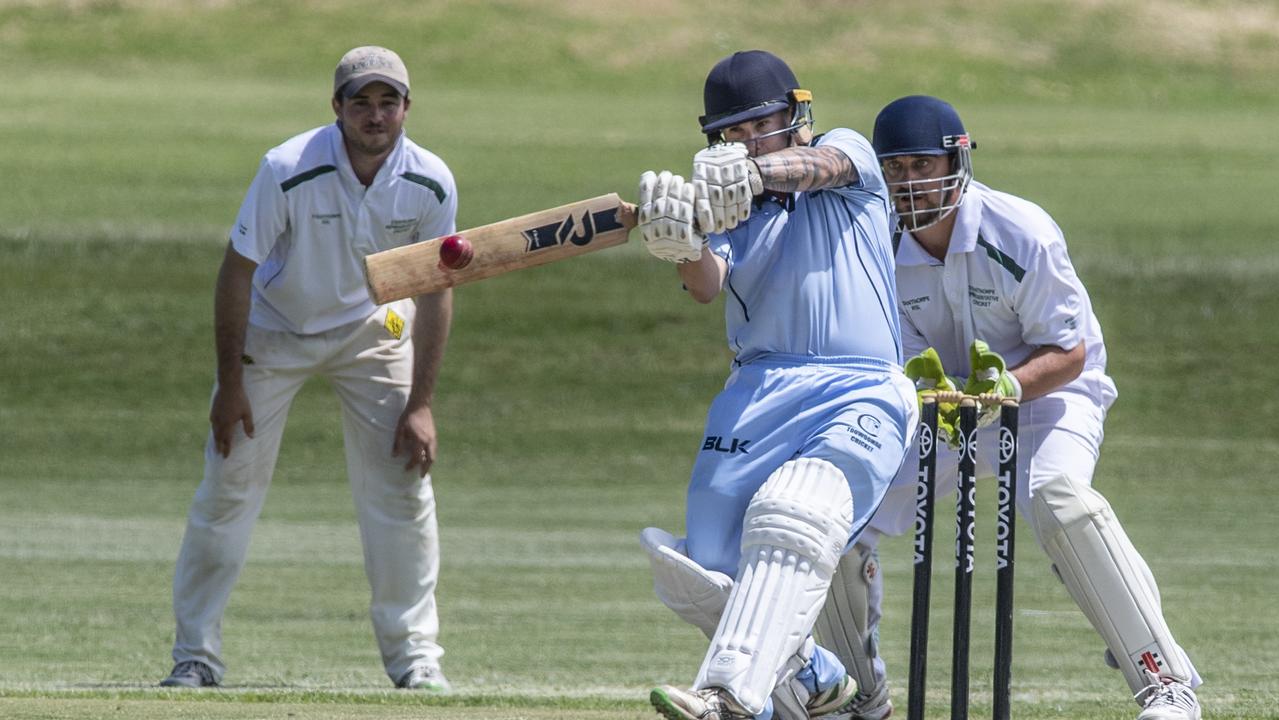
{"points": [[749, 85], [923, 125], [919, 125]]}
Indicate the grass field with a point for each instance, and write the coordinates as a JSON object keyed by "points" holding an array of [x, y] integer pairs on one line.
{"points": [[571, 402]]}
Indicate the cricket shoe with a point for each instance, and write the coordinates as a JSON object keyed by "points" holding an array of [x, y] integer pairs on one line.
{"points": [[421, 677], [710, 704], [190, 674], [873, 705], [833, 699], [1167, 699]]}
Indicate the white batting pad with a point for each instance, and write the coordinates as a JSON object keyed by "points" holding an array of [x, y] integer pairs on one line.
{"points": [[1108, 579], [793, 535], [847, 622], [696, 594]]}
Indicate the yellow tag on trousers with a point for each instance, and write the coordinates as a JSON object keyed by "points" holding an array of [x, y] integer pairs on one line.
{"points": [[394, 324]]}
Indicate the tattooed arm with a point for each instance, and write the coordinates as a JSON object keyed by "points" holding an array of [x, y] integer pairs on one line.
{"points": [[801, 169]]}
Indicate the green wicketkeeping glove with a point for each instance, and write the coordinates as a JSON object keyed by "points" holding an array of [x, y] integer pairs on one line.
{"points": [[929, 376], [990, 376]]}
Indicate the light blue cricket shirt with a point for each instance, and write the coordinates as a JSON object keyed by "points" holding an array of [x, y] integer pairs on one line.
{"points": [[815, 279]]}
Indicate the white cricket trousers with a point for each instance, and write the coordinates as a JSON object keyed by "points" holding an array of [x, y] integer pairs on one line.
{"points": [[370, 370]]}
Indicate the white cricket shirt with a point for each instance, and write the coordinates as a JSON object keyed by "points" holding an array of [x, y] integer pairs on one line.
{"points": [[1007, 280], [308, 223]]}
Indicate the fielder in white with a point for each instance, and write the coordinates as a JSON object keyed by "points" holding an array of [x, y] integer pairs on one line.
{"points": [[291, 304], [975, 264], [816, 416]]}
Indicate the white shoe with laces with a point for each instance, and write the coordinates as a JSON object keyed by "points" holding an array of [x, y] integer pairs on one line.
{"points": [[872, 705], [710, 704], [1167, 699]]}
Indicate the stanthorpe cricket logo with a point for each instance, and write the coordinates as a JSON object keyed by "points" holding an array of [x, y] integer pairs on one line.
{"points": [[571, 230]]}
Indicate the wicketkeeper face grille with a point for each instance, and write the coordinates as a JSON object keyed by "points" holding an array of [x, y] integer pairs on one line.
{"points": [[925, 189]]}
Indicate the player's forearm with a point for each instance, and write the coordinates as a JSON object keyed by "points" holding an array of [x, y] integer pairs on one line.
{"points": [[231, 301], [431, 328], [1049, 368], [704, 277], [801, 169]]}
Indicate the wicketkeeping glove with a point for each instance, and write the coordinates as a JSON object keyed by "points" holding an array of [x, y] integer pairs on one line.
{"points": [[990, 376], [725, 183], [926, 370], [666, 218]]}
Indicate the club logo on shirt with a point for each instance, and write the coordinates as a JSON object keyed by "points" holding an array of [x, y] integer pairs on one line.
{"points": [[732, 446], [982, 297], [579, 231], [399, 226], [1071, 322], [325, 218], [915, 303]]}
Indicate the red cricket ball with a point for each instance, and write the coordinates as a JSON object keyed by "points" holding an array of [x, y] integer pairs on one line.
{"points": [[455, 252]]}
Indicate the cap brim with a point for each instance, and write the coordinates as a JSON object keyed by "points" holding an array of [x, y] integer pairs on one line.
{"points": [[355, 85], [751, 113]]}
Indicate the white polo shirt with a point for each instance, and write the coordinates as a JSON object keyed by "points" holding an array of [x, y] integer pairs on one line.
{"points": [[1007, 280], [308, 223]]}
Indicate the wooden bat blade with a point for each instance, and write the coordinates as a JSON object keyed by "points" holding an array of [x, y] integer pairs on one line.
{"points": [[525, 241]]}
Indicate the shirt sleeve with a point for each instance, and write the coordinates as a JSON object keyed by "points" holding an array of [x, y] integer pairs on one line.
{"points": [[859, 150], [720, 244], [1049, 304], [263, 217], [441, 219]]}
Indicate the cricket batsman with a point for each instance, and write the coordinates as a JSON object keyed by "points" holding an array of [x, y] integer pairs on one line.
{"points": [[816, 414], [990, 302]]}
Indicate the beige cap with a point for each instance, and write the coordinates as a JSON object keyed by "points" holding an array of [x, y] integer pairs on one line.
{"points": [[367, 64]]}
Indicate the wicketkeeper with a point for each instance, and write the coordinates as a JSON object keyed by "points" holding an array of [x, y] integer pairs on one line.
{"points": [[990, 302]]}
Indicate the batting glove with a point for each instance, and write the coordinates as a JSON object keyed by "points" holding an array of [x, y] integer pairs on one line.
{"points": [[666, 218], [725, 183], [929, 376], [990, 376]]}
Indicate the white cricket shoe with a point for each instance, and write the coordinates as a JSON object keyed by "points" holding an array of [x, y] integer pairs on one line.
{"points": [[190, 674], [427, 678], [832, 700], [1166, 699], [872, 705], [710, 704]]}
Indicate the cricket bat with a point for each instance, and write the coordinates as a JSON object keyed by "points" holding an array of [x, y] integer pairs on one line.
{"points": [[521, 242]]}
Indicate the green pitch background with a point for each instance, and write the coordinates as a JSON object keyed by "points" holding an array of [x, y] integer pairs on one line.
{"points": [[571, 402]]}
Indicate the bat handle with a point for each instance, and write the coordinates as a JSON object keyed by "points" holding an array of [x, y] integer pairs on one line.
{"points": [[627, 215]]}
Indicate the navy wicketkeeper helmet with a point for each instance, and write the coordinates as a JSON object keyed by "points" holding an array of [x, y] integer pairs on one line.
{"points": [[922, 125], [749, 85]]}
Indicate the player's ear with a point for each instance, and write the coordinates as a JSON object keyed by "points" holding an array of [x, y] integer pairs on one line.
{"points": [[407, 102], [337, 106]]}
